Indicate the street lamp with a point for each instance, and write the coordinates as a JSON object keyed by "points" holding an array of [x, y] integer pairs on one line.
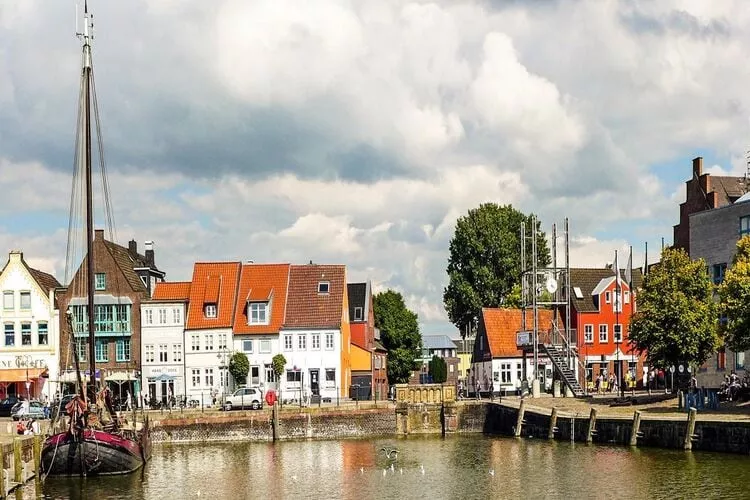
{"points": [[28, 385], [222, 357]]}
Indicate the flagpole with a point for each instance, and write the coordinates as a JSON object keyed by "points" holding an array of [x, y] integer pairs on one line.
{"points": [[618, 371]]}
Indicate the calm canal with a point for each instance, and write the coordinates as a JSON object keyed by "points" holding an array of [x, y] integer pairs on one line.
{"points": [[454, 468]]}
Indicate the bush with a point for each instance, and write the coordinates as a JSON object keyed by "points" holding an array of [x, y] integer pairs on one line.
{"points": [[438, 370]]}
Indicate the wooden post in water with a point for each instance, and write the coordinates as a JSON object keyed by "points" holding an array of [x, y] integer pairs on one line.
{"points": [[519, 422], [37, 455], [552, 424], [275, 420], [18, 459], [592, 426], [3, 481], [690, 429], [635, 429]]}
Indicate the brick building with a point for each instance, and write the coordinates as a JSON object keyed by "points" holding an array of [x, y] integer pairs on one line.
{"points": [[369, 370]]}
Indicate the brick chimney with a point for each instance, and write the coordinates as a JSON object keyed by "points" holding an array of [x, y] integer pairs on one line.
{"points": [[98, 234], [150, 253], [133, 248], [697, 166]]}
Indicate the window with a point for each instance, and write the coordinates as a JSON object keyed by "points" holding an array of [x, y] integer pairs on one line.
{"points": [[42, 333], [330, 377], [315, 341], [357, 314], [196, 342], [627, 297], [719, 271], [302, 342], [122, 350], [496, 376], [329, 341], [254, 375], [739, 361], [149, 317], [377, 362], [100, 281], [607, 297], [8, 300], [176, 315], [102, 351], [196, 377], [617, 305], [744, 225], [209, 377], [265, 346], [26, 333], [107, 319], [293, 377], [603, 333], [588, 334], [10, 334], [25, 303], [209, 310], [163, 353], [257, 314], [323, 286], [177, 353], [209, 342], [505, 373], [721, 359], [270, 374], [287, 342], [519, 371], [222, 341], [148, 353], [83, 348], [162, 316], [247, 345], [617, 332]]}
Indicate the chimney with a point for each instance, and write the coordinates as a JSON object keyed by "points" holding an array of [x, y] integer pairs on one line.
{"points": [[149, 252], [697, 166], [15, 256], [98, 234], [133, 248]]}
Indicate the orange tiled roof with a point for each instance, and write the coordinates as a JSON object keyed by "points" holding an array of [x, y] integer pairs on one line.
{"points": [[213, 283], [261, 282], [502, 325], [176, 290], [306, 308]]}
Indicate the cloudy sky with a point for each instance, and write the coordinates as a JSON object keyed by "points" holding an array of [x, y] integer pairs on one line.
{"points": [[357, 132]]}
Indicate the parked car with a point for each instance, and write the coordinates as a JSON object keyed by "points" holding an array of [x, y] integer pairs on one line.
{"points": [[34, 409], [244, 397], [6, 405]]}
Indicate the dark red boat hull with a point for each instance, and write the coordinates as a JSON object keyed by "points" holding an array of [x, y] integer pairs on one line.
{"points": [[98, 453]]}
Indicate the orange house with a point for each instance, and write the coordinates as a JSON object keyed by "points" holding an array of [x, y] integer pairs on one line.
{"points": [[369, 371]]}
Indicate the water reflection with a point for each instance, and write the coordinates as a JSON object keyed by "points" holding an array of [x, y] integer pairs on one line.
{"points": [[457, 467]]}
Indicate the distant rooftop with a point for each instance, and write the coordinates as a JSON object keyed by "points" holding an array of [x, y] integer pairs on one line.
{"points": [[437, 342]]}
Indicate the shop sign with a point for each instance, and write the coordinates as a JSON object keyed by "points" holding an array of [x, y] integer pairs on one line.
{"points": [[23, 361]]}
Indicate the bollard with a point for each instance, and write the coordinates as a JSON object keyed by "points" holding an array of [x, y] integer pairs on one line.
{"points": [[552, 424], [688, 444], [37, 454], [519, 422], [592, 426], [679, 400], [18, 459], [573, 429], [635, 429], [275, 420]]}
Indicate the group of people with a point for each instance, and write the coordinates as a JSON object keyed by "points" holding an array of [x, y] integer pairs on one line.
{"points": [[732, 386], [27, 426]]}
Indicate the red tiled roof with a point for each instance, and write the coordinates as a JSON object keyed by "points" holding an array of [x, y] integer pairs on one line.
{"points": [[176, 290], [260, 283], [213, 283], [502, 325], [306, 308]]}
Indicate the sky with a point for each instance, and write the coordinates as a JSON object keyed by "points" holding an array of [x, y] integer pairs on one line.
{"points": [[357, 133]]}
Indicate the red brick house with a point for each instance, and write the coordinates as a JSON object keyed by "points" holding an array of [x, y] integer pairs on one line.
{"points": [[369, 356]]}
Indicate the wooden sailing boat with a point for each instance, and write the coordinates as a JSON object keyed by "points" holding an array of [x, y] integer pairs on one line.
{"points": [[86, 446]]}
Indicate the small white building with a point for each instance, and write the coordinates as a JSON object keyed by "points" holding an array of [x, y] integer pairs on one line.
{"points": [[162, 339], [29, 356]]}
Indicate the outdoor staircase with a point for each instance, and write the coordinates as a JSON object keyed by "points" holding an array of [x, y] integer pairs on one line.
{"points": [[557, 355]]}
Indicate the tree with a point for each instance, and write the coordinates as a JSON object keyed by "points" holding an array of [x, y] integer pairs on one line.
{"points": [[484, 264], [734, 293], [438, 370], [239, 367], [399, 332], [278, 363], [676, 318]]}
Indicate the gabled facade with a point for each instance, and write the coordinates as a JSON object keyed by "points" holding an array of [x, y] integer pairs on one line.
{"points": [[162, 339], [208, 329], [118, 294], [30, 319], [369, 358], [601, 319], [315, 336], [259, 314], [443, 347], [497, 362], [145, 265]]}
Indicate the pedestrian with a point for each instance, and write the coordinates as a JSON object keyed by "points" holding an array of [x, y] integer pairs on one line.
{"points": [[478, 389], [128, 401]]}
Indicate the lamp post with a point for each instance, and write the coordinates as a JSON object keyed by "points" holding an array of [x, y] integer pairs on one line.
{"points": [[28, 385], [222, 357]]}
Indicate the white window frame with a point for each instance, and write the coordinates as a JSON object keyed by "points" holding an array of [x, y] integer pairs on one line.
{"points": [[607, 297], [196, 377], [265, 346], [330, 343], [177, 315], [163, 353], [209, 342], [177, 353], [100, 284], [257, 313], [358, 317], [24, 294], [9, 300], [247, 345], [162, 316], [196, 342], [588, 334], [210, 311], [288, 343], [617, 335], [330, 377], [603, 333], [315, 342], [302, 342], [506, 373], [626, 297], [149, 319], [324, 287]]}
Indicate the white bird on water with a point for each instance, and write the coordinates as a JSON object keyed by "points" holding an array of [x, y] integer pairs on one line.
{"points": [[385, 471], [392, 468], [294, 477], [492, 472], [421, 469], [401, 471], [361, 470]]}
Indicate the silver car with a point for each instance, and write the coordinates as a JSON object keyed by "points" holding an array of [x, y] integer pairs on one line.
{"points": [[244, 397]]}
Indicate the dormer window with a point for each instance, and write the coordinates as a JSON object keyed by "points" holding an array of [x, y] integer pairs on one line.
{"points": [[257, 313], [357, 314], [209, 310], [100, 281], [323, 287]]}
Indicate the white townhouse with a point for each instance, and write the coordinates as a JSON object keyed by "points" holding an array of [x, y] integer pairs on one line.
{"points": [[29, 356], [315, 337], [162, 341]]}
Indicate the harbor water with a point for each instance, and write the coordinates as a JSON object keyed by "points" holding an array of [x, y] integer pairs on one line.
{"points": [[459, 467]]}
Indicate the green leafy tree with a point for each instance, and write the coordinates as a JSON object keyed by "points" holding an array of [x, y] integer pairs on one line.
{"points": [[399, 332], [438, 370], [484, 266], [734, 292], [278, 363], [239, 367], [676, 318]]}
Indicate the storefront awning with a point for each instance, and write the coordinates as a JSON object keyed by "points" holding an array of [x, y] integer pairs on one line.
{"points": [[20, 374], [120, 376]]}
